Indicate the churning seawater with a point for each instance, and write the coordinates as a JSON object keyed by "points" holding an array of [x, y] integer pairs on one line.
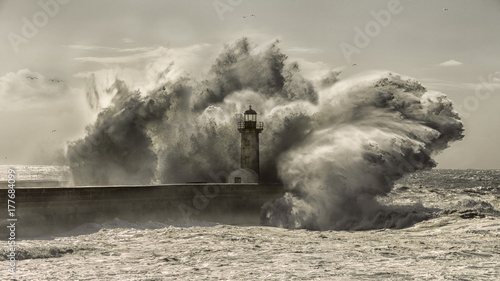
{"points": [[458, 240]]}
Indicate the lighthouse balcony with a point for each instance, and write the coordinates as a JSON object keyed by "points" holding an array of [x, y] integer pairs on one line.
{"points": [[250, 125]]}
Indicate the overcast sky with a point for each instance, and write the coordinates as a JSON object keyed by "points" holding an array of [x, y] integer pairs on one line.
{"points": [[49, 51]]}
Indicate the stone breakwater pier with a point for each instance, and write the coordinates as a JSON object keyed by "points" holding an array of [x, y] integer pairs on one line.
{"points": [[47, 210]]}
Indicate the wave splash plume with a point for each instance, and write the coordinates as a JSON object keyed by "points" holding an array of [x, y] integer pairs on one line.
{"points": [[368, 133], [335, 144]]}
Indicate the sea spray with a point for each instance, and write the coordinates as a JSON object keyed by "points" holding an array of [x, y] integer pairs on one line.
{"points": [[185, 130], [335, 144], [368, 132]]}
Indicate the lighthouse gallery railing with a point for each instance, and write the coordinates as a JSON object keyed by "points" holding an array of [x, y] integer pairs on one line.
{"points": [[258, 125]]}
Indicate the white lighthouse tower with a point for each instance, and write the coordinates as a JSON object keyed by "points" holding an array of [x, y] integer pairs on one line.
{"points": [[250, 130]]}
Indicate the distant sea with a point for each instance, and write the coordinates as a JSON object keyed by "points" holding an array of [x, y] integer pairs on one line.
{"points": [[442, 178], [37, 175]]}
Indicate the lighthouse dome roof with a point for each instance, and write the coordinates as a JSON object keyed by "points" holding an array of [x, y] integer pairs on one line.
{"points": [[251, 111]]}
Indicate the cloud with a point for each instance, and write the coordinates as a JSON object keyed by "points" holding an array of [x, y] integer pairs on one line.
{"points": [[26, 89], [450, 63], [127, 40], [450, 86], [140, 55], [304, 50], [118, 60], [143, 68], [44, 112], [110, 49], [27, 92]]}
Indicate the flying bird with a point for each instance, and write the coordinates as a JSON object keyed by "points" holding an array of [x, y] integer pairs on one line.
{"points": [[53, 131], [354, 64], [55, 80], [445, 9], [31, 77]]}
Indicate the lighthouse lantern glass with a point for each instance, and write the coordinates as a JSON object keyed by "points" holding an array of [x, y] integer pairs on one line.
{"points": [[251, 117]]}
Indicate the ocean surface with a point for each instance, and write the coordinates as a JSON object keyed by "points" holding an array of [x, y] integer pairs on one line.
{"points": [[37, 175], [460, 240]]}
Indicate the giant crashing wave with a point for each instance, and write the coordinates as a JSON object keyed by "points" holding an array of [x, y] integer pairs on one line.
{"points": [[335, 145]]}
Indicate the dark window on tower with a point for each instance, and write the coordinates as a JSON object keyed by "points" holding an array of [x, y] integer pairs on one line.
{"points": [[246, 142]]}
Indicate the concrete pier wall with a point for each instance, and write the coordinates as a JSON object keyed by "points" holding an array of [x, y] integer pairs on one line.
{"points": [[45, 210]]}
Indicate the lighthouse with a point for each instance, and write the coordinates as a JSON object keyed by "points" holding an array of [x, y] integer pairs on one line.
{"points": [[250, 129]]}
